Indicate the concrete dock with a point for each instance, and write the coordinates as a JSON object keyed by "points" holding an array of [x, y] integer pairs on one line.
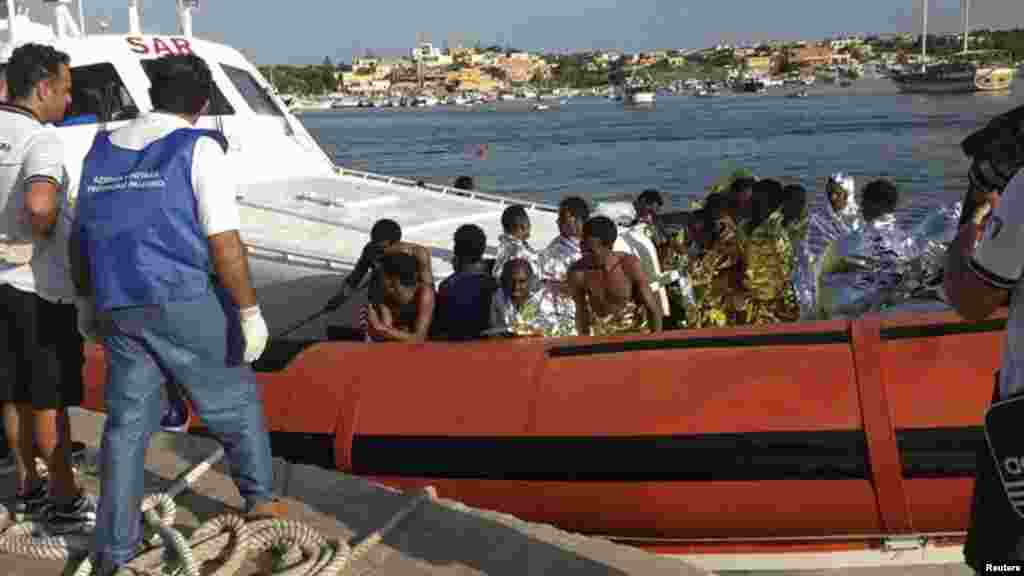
{"points": [[439, 537]]}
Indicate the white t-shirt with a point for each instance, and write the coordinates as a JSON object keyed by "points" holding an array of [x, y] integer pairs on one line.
{"points": [[212, 181], [31, 151], [999, 261]]}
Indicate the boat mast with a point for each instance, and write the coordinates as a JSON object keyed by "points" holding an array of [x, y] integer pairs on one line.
{"points": [[967, 20], [11, 36], [924, 36], [134, 24], [185, 8]]}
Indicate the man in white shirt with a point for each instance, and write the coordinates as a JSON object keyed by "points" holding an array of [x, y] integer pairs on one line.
{"points": [[983, 271], [40, 349], [157, 253]]}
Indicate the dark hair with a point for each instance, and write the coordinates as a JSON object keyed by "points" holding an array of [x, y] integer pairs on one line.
{"points": [[710, 213], [181, 84], [470, 243], [464, 183], [880, 197], [385, 230], [511, 266], [513, 216], [767, 198], [399, 264], [795, 203], [31, 64], [650, 196], [576, 206], [602, 228]]}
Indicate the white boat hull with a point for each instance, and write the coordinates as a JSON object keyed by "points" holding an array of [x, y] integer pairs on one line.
{"points": [[641, 98]]}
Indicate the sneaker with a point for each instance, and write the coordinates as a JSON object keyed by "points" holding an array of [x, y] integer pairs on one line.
{"points": [[79, 516], [270, 510], [31, 505], [177, 417]]}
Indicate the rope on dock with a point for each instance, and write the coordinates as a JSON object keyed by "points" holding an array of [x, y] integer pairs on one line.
{"points": [[230, 539]]}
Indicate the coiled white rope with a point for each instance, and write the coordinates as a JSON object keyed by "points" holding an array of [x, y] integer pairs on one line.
{"points": [[230, 539]]}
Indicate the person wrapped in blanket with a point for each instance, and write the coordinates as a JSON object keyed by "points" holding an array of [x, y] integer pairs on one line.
{"points": [[557, 308], [767, 246], [514, 243], [840, 217], [612, 293], [865, 270], [516, 309], [715, 272]]}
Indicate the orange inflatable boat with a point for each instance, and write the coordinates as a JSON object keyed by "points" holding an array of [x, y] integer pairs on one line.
{"points": [[821, 435]]}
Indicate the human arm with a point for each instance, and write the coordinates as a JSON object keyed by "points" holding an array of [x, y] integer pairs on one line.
{"points": [[381, 325], [579, 296], [634, 270], [423, 267], [44, 178], [979, 279], [217, 211]]}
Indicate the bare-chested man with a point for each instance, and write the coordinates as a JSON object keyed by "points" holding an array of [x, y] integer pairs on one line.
{"points": [[385, 238], [403, 307], [611, 291]]}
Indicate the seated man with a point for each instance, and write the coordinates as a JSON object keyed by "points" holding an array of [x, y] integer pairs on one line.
{"points": [[715, 269], [864, 270], [612, 293], [768, 249], [515, 310], [402, 308], [514, 242], [385, 238], [558, 307], [464, 298]]}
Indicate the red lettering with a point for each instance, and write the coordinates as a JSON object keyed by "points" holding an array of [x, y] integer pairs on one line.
{"points": [[159, 48], [181, 45], [138, 45]]}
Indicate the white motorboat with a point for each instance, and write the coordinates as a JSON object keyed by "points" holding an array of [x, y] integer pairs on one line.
{"points": [[304, 219]]}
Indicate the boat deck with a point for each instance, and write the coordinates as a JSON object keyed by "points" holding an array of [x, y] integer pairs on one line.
{"points": [[439, 537]]}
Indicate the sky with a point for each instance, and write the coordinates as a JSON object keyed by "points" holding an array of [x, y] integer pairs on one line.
{"points": [[306, 31]]}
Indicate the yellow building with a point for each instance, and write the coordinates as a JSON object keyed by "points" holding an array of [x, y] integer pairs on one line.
{"points": [[763, 65], [472, 79]]}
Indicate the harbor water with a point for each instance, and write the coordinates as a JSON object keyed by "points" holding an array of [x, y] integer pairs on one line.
{"points": [[596, 147]]}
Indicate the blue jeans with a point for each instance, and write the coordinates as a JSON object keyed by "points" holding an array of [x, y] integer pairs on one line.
{"points": [[198, 344]]}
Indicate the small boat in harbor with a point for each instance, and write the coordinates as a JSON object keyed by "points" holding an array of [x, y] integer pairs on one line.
{"points": [[797, 94]]}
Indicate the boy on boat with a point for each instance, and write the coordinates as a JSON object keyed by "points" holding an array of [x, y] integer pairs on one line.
{"points": [[557, 306], [611, 291], [463, 309], [385, 238], [514, 243], [715, 271], [401, 305]]}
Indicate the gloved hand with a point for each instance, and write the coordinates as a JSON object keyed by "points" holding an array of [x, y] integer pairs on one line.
{"points": [[254, 329], [86, 318]]}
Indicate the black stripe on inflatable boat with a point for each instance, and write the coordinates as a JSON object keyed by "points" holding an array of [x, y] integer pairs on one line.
{"points": [[745, 341], [951, 329], [939, 452], [699, 458]]}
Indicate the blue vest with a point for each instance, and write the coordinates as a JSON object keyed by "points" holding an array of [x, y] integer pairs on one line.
{"points": [[138, 222]]}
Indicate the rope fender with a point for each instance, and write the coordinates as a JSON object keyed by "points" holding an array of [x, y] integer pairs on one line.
{"points": [[299, 549]]}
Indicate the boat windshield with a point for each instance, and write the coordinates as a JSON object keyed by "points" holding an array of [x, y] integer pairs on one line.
{"points": [[98, 95], [254, 94], [219, 105]]}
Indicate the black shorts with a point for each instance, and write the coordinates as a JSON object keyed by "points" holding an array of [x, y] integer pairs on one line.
{"points": [[41, 352], [995, 531]]}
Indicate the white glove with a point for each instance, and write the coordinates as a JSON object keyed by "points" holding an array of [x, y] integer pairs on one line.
{"points": [[86, 318], [16, 253], [254, 329]]}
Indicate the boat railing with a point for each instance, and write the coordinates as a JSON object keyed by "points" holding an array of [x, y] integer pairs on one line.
{"points": [[264, 251], [443, 190]]}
